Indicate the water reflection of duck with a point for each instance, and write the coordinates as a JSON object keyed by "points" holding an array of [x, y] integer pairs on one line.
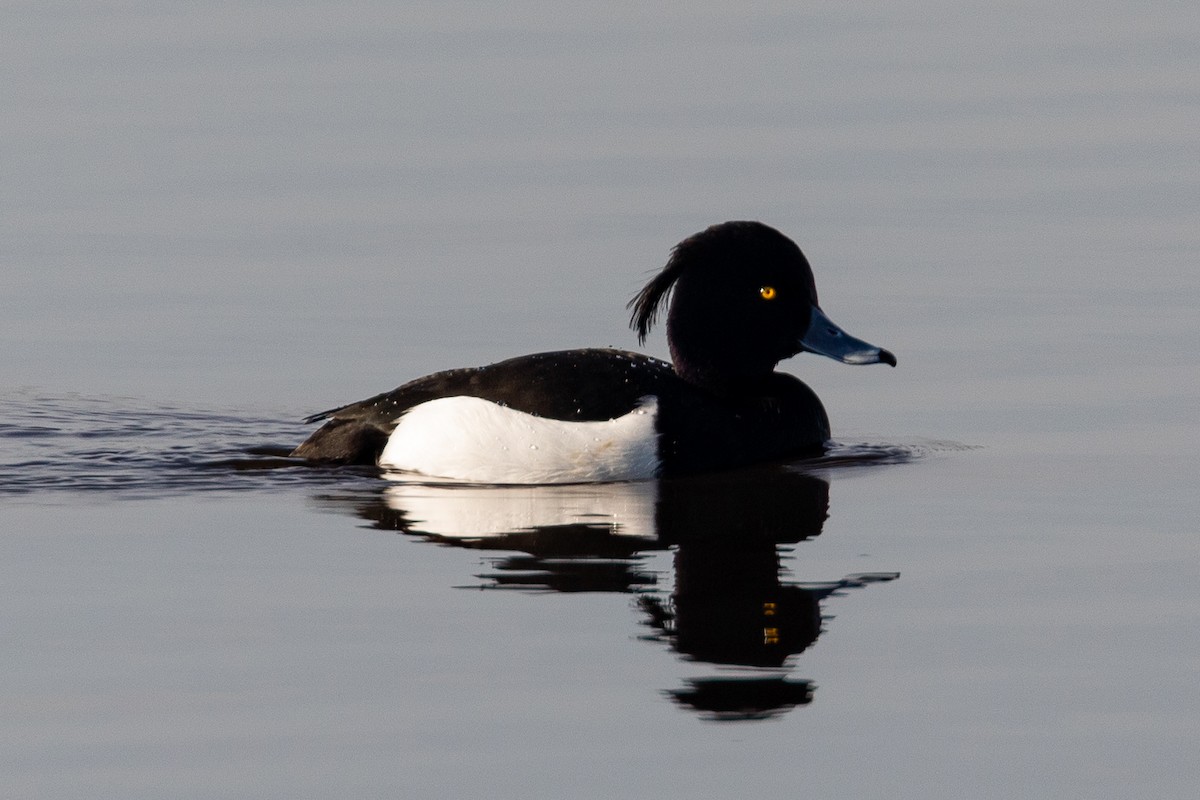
{"points": [[729, 605], [742, 298]]}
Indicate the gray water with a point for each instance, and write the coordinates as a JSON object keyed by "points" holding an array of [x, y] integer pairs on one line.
{"points": [[221, 217]]}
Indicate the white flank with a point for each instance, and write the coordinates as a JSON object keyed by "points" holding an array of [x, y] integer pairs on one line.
{"points": [[476, 440]]}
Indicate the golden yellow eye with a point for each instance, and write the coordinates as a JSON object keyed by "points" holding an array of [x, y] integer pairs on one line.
{"points": [[768, 292]]}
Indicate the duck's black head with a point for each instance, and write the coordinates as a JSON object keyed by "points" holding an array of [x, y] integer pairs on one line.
{"points": [[742, 299]]}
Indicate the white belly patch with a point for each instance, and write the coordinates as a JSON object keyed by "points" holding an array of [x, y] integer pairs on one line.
{"points": [[476, 440]]}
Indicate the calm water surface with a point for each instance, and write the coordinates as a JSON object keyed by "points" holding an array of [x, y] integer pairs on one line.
{"points": [[218, 219]]}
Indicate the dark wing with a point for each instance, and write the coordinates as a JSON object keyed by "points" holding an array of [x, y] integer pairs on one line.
{"points": [[575, 385]]}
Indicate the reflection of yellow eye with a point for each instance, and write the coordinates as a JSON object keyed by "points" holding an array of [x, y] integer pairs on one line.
{"points": [[768, 292]]}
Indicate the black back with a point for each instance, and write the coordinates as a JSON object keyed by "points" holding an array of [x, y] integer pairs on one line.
{"points": [[574, 385]]}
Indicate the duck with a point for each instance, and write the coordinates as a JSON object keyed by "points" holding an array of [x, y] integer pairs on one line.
{"points": [[739, 298]]}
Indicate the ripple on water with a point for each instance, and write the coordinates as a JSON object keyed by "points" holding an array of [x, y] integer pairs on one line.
{"points": [[864, 454], [118, 445]]}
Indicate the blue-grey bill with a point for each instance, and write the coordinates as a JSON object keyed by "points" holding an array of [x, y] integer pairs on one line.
{"points": [[824, 337]]}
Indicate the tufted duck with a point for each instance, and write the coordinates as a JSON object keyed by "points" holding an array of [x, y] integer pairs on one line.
{"points": [[741, 299]]}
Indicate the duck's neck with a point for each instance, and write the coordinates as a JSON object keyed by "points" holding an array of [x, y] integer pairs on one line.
{"points": [[724, 375]]}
